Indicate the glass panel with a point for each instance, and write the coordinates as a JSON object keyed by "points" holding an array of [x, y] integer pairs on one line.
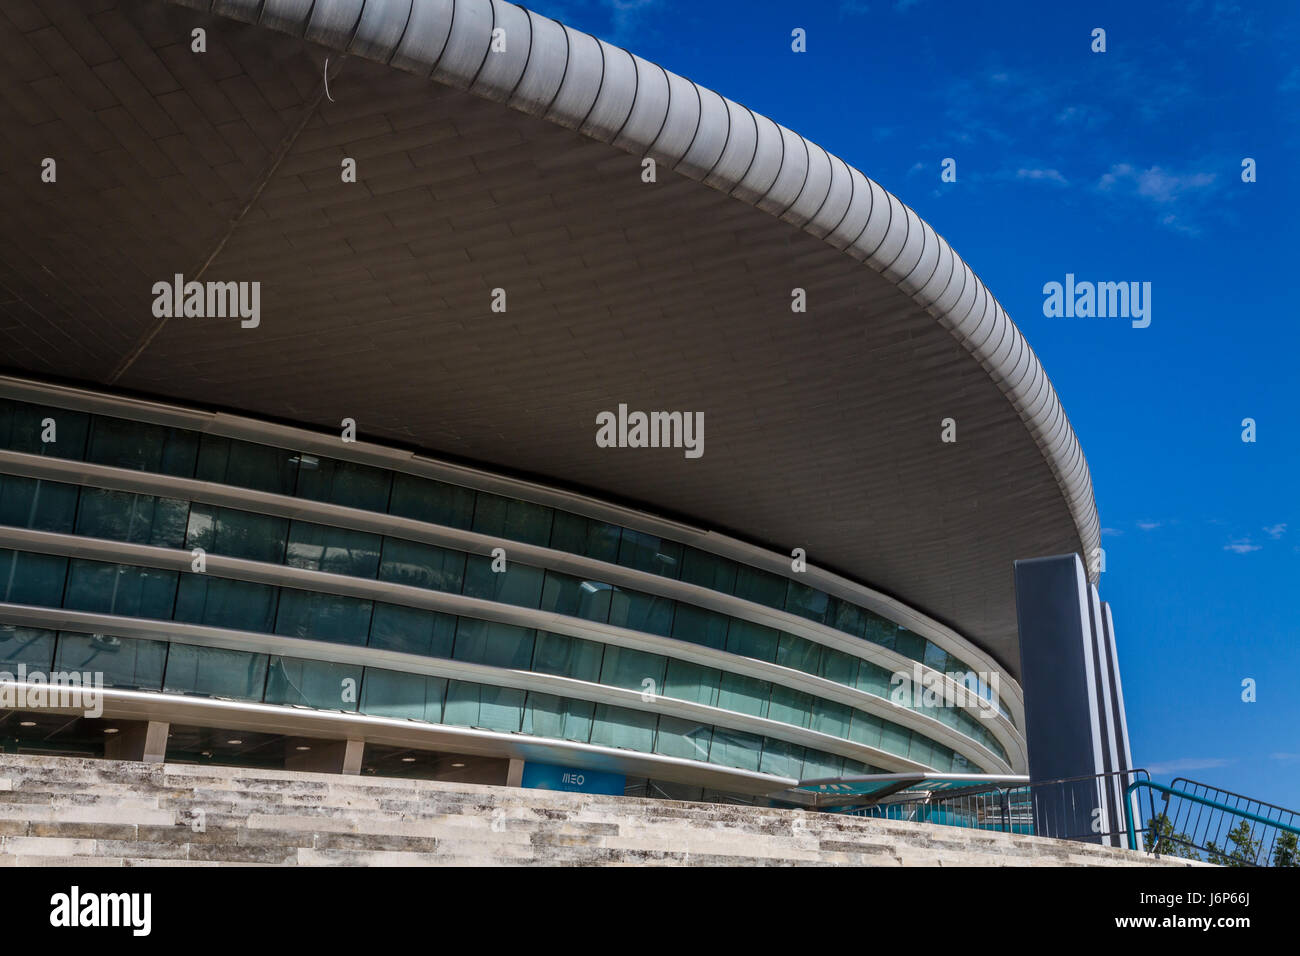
{"points": [[745, 695], [317, 684], [865, 728], [708, 570], [422, 566], [219, 602], [641, 612], [873, 679], [518, 584], [489, 708], [839, 667], [27, 578], [790, 706], [683, 738], [647, 552], [799, 654], [579, 535], [412, 630], [733, 748], [818, 765], [120, 589], [807, 602], [140, 519], [336, 550], [894, 739], [142, 447], [40, 505], [566, 594], [630, 669], [31, 646], [22, 427], [246, 465], [832, 718], [937, 657], [782, 758], [436, 502], [323, 617], [127, 663], [567, 656], [558, 717], [494, 644], [849, 618], [693, 682], [909, 644], [512, 518], [343, 483], [699, 626], [752, 640], [239, 534], [621, 727], [215, 672], [879, 631], [406, 696], [760, 586]]}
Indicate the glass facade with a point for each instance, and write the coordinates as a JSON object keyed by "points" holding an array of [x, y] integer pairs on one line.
{"points": [[133, 591]]}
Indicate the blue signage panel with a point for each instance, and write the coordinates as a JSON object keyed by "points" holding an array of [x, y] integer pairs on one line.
{"points": [[543, 776]]}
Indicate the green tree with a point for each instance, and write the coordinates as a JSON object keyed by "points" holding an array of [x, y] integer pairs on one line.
{"points": [[1244, 852], [1160, 831], [1284, 851]]}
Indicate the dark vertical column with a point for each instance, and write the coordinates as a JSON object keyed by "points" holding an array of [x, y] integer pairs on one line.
{"points": [[1119, 722], [1058, 672]]}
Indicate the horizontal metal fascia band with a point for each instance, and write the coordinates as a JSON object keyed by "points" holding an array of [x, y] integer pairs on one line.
{"points": [[394, 732], [285, 506], [303, 649], [445, 40], [298, 439], [238, 569]]}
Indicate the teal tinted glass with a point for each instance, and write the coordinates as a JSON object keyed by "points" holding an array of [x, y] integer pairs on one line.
{"points": [[576, 597], [343, 483], [647, 552], [586, 536], [687, 739], [316, 547], [238, 534], [142, 447], [412, 630], [518, 584], [699, 626], [404, 696], [43, 430], [30, 646], [220, 602], [120, 589], [436, 502], [762, 587], [215, 672], [323, 617], [685, 680], [567, 656], [27, 578], [39, 505], [124, 662], [559, 718], [493, 643], [319, 684], [513, 519], [708, 570], [138, 519], [631, 669], [621, 727], [641, 612], [247, 465], [422, 566]]}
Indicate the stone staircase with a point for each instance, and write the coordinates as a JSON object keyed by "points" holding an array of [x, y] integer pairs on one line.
{"points": [[84, 812]]}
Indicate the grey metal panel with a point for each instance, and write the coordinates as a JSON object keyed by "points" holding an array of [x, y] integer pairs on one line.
{"points": [[425, 36], [792, 151], [380, 29], [836, 204], [856, 215], [584, 72], [333, 21], [618, 92], [710, 138], [548, 55], [649, 110], [877, 227], [681, 124], [467, 44], [816, 187], [288, 16], [242, 10], [502, 70]]}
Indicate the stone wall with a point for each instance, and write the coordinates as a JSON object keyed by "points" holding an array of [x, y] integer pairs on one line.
{"points": [[82, 812]]}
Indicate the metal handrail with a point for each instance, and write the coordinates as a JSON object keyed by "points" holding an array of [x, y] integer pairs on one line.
{"points": [[1204, 801]]}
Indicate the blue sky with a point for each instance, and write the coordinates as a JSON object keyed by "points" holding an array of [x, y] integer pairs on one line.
{"points": [[1122, 166]]}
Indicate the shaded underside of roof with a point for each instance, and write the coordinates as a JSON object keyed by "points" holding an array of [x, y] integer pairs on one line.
{"points": [[822, 429]]}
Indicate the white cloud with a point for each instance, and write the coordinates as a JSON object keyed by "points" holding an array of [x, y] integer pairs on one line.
{"points": [[1148, 525], [1111, 532], [1156, 184], [1048, 175], [1242, 546], [1188, 763], [1276, 531]]}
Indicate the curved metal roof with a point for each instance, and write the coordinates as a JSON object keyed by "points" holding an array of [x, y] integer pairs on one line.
{"points": [[225, 165]]}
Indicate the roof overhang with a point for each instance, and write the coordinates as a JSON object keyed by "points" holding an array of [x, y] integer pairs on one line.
{"points": [[522, 171]]}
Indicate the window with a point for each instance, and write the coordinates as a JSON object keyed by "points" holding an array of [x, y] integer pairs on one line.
{"points": [[238, 534], [323, 617], [760, 587], [412, 630], [247, 465], [620, 727], [124, 662], [478, 705], [694, 682], [120, 589], [641, 612], [215, 672], [518, 584], [733, 748], [406, 696], [744, 695], [586, 536], [513, 519], [799, 654], [39, 505], [647, 552], [688, 739], [708, 570], [436, 502], [558, 717], [27, 578], [32, 646], [139, 519], [629, 669], [142, 447], [699, 626], [22, 427], [567, 656], [335, 550], [220, 602], [807, 602], [566, 594], [343, 483], [493, 643], [422, 566], [317, 684], [753, 640]]}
